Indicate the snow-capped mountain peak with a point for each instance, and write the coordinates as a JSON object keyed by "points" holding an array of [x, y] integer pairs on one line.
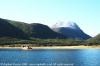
{"points": [[68, 24], [70, 29]]}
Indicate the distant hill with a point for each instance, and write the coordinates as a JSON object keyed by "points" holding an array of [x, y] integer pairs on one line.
{"points": [[43, 31], [70, 30], [95, 40], [9, 30], [15, 29]]}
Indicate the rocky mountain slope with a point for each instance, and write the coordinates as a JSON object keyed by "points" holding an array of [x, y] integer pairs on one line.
{"points": [[70, 30]]}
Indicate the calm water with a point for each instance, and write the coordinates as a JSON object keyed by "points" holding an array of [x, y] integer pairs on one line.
{"points": [[50, 57]]}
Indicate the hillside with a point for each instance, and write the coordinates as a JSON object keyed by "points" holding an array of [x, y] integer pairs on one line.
{"points": [[94, 41], [15, 29], [43, 31], [9, 30]]}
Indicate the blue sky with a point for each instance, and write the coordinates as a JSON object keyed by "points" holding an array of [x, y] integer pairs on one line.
{"points": [[86, 13]]}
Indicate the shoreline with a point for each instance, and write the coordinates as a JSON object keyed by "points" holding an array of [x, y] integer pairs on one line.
{"points": [[55, 47]]}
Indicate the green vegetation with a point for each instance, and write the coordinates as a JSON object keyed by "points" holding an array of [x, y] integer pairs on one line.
{"points": [[41, 42], [94, 41], [14, 42]]}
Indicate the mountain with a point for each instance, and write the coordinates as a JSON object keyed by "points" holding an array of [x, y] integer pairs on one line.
{"points": [[70, 30], [43, 31], [21, 30], [94, 40], [9, 30]]}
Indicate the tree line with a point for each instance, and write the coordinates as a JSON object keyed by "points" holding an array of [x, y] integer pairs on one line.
{"points": [[48, 42]]}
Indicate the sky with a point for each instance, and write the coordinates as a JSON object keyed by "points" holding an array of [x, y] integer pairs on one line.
{"points": [[86, 13]]}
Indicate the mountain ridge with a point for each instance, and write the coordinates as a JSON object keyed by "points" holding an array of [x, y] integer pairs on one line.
{"points": [[30, 30], [23, 30]]}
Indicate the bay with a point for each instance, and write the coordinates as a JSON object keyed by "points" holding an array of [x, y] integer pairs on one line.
{"points": [[50, 57]]}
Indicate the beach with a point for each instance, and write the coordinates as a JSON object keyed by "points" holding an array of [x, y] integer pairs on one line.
{"points": [[55, 47]]}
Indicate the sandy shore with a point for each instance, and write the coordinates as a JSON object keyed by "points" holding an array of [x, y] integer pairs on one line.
{"points": [[66, 47], [56, 47]]}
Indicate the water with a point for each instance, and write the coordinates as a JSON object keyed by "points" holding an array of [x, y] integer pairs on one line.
{"points": [[50, 57]]}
